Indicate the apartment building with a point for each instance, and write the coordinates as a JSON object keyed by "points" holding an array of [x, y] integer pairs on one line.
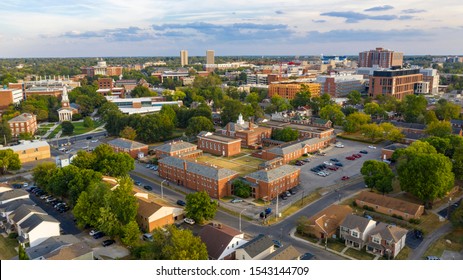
{"points": [[9, 97], [289, 89], [397, 83], [381, 57], [177, 149], [218, 144]]}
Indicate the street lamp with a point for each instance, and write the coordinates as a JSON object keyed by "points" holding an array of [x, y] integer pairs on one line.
{"points": [[240, 217], [448, 208], [162, 191]]}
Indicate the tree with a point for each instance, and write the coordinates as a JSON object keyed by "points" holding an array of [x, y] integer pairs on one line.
{"points": [[5, 133], [241, 189], [278, 104], [302, 98], [9, 160], [377, 175], [424, 173], [355, 120], [372, 131], [354, 97], [67, 128], [88, 122], [168, 110], [414, 107], [141, 91], [26, 136], [457, 217], [200, 207], [22, 253], [231, 110], [198, 124], [439, 129], [128, 133], [333, 113], [458, 163], [391, 133], [442, 145], [130, 233], [430, 117], [42, 173], [286, 134], [87, 105], [374, 109], [447, 110]]}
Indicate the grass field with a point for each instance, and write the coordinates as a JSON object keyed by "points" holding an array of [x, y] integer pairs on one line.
{"points": [[243, 164], [54, 132], [79, 128], [456, 239], [359, 255], [7, 248]]}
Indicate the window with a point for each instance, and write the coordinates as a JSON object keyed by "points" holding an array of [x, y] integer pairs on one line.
{"points": [[354, 234], [376, 240]]}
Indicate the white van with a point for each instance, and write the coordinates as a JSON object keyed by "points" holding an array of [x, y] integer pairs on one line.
{"points": [[148, 237]]}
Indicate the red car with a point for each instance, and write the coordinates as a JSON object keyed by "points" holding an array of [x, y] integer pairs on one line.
{"points": [[357, 155], [345, 178], [332, 168], [350, 158]]}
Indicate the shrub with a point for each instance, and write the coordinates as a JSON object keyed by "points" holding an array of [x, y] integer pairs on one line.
{"points": [[368, 208], [397, 217], [414, 221], [354, 203]]}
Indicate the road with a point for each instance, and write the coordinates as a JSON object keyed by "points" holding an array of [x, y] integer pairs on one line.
{"points": [[73, 139], [417, 254]]}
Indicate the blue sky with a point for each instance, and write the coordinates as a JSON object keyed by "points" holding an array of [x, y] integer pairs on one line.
{"points": [[56, 28]]}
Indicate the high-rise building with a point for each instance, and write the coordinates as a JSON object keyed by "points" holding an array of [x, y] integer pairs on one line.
{"points": [[184, 57], [210, 57], [382, 57]]}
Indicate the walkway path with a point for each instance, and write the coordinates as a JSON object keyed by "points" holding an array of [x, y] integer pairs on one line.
{"points": [[50, 131]]}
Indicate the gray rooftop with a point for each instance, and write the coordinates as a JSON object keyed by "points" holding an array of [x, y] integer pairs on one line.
{"points": [[21, 118], [199, 169], [355, 222], [216, 137], [50, 245], [273, 174], [34, 220], [175, 146], [15, 204], [257, 245], [24, 210], [126, 144], [12, 194], [395, 146], [389, 232], [294, 146]]}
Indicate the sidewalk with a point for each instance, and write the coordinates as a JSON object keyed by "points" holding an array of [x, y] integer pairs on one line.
{"points": [[50, 131]]}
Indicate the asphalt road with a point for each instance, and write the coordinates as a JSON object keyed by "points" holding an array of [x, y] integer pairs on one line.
{"points": [[73, 139]]}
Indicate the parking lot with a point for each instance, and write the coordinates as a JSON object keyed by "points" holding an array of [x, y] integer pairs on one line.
{"points": [[310, 181]]}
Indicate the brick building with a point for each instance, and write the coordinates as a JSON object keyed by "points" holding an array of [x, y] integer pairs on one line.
{"points": [[251, 135], [388, 151], [305, 131], [341, 85], [133, 148], [197, 176], [289, 90], [10, 96], [218, 144], [105, 83], [24, 123], [29, 151], [294, 150], [268, 184], [179, 149], [152, 215], [382, 57], [396, 83]]}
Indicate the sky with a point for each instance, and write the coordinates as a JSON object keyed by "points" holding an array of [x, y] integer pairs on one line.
{"points": [[89, 28]]}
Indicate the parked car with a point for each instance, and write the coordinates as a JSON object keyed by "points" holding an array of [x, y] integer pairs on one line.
{"points": [[189, 221], [181, 202], [288, 193], [321, 173], [335, 159], [108, 242], [339, 146], [357, 155], [138, 183], [293, 191], [345, 178], [283, 196], [93, 231], [94, 141], [339, 164], [306, 160], [434, 258], [307, 256], [299, 163], [372, 147], [148, 188], [387, 161], [364, 152], [98, 235], [89, 137], [327, 163], [418, 234], [63, 208], [148, 237], [50, 199], [236, 200], [277, 244], [268, 210]]}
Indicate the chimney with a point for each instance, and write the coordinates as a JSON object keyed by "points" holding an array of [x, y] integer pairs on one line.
{"points": [[250, 125], [228, 127], [184, 165]]}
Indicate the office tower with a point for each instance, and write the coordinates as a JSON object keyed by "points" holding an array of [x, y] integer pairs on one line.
{"points": [[381, 57], [210, 57], [184, 57]]}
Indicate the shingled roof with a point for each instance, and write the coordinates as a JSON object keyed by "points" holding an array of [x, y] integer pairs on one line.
{"points": [[286, 253], [217, 238], [388, 232], [355, 222], [295, 146], [8, 195], [257, 245], [126, 144], [22, 211], [273, 174], [35, 220], [204, 170], [174, 146], [22, 118], [390, 202]]}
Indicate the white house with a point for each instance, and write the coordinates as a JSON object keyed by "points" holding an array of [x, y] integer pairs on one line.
{"points": [[256, 249], [221, 241], [37, 228], [13, 194]]}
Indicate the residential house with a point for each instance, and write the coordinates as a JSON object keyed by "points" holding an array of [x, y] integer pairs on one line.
{"points": [[386, 240], [197, 176], [390, 205], [354, 230], [76, 251], [325, 223], [62, 247], [285, 253], [221, 241], [256, 249], [12, 195], [7, 208], [218, 144], [268, 184], [37, 228], [130, 147], [151, 215], [179, 149]]}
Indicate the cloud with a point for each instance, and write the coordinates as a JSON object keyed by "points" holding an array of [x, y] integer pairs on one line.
{"points": [[117, 34], [279, 12], [413, 11], [379, 8], [353, 17], [318, 20], [366, 35]]}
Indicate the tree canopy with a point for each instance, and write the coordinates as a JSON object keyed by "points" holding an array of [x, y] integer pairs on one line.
{"points": [[198, 124], [377, 175], [241, 189], [286, 134], [200, 207], [9, 160], [67, 128]]}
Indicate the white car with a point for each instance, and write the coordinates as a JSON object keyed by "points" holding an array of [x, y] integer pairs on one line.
{"points": [[321, 174], [92, 232], [328, 163], [372, 147], [288, 193], [94, 141], [189, 221], [339, 146]]}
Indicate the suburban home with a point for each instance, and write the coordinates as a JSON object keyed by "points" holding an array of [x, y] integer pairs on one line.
{"points": [[355, 230], [37, 228], [132, 148], [325, 223], [256, 249], [386, 240], [13, 194], [285, 253], [62, 247], [268, 184], [387, 151], [219, 145], [179, 149], [76, 251], [221, 241], [151, 215], [7, 208], [389, 205]]}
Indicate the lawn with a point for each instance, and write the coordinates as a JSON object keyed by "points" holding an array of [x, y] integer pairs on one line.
{"points": [[7, 248], [456, 239], [79, 128], [403, 255], [336, 245], [54, 132], [242, 165], [359, 255]]}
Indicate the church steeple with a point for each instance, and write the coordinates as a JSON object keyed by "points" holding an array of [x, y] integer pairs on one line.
{"points": [[65, 98]]}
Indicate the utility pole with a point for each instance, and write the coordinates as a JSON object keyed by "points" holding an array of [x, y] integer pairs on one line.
{"points": [[276, 214], [448, 208]]}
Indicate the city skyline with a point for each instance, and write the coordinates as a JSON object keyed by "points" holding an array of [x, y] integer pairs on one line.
{"points": [[143, 28]]}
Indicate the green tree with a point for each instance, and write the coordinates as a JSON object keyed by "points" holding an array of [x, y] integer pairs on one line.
{"points": [[457, 166], [67, 128], [354, 97], [457, 217], [26, 136], [447, 110], [9, 160], [231, 110], [414, 108], [333, 113], [88, 122], [141, 91], [374, 109], [355, 120], [198, 124], [286, 134], [241, 189], [391, 133], [200, 207], [302, 98], [168, 111], [5, 133], [377, 175], [372, 131], [278, 104], [130, 233], [442, 145], [42, 173], [253, 97], [128, 133], [439, 129], [87, 105], [430, 117], [22, 253]]}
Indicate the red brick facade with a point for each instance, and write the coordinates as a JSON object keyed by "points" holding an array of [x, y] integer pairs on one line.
{"points": [[294, 150], [269, 189], [219, 145], [24, 123]]}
